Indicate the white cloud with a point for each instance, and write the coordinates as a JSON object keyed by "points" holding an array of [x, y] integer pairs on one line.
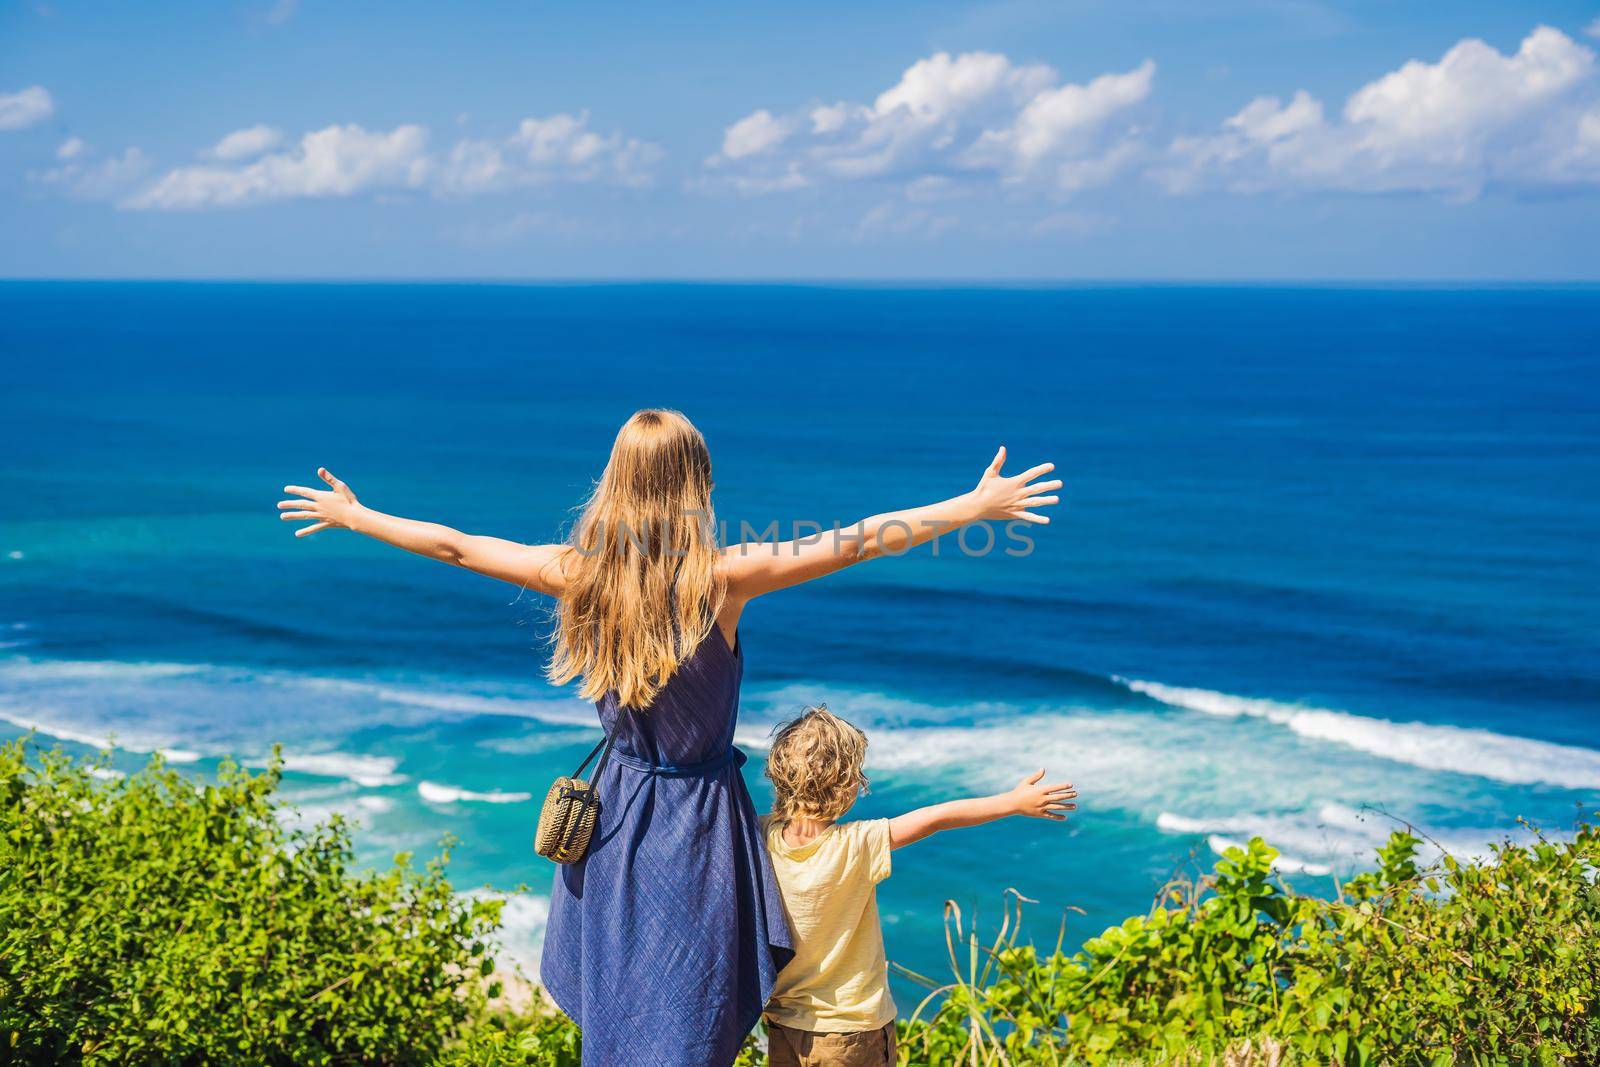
{"points": [[246, 143], [544, 228], [79, 174], [27, 107], [1569, 153], [975, 117], [1265, 120], [893, 219], [756, 132], [1475, 118], [560, 148], [280, 12], [349, 160], [1593, 29], [1073, 224], [335, 161], [1057, 119], [933, 188]]}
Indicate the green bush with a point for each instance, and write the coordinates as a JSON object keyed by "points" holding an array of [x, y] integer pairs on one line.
{"points": [[536, 1039], [541, 1038], [1496, 962], [155, 920]]}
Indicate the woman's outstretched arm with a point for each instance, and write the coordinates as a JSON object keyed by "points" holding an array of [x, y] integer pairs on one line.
{"points": [[536, 567], [756, 568]]}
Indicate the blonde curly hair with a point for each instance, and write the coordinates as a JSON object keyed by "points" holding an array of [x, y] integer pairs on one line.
{"points": [[815, 766]]}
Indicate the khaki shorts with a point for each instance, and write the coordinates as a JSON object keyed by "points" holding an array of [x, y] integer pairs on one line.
{"points": [[804, 1048]]}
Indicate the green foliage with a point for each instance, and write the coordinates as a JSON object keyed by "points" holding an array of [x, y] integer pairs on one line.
{"points": [[542, 1039], [1497, 961], [155, 920], [526, 1040]]}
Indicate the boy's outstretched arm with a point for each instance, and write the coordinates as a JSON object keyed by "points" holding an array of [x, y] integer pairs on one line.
{"points": [[1028, 798]]}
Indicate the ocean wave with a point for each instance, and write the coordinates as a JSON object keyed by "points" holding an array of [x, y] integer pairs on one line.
{"points": [[766, 706], [1345, 838], [25, 668], [523, 917], [1331, 829], [541, 707], [439, 696], [302, 805], [1457, 749], [1282, 863], [543, 741], [365, 770], [106, 742], [435, 793], [1332, 832]]}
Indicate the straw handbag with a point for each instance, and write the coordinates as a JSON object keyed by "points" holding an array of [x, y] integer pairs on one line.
{"points": [[571, 809]]}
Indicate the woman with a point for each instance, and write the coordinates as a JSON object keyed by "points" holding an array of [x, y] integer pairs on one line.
{"points": [[664, 940]]}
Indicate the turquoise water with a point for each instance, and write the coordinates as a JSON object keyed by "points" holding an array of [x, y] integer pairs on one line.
{"points": [[1325, 553]]}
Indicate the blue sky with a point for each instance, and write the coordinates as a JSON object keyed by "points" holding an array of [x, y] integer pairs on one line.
{"points": [[1078, 140]]}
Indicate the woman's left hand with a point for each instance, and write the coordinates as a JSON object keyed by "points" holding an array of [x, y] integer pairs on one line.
{"points": [[335, 506], [1001, 497]]}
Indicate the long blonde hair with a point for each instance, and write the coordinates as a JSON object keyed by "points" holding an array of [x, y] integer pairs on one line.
{"points": [[642, 585]]}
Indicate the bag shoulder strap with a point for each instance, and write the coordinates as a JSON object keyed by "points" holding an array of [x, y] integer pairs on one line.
{"points": [[603, 747]]}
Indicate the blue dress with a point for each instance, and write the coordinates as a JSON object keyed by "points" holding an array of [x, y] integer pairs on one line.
{"points": [[665, 939]]}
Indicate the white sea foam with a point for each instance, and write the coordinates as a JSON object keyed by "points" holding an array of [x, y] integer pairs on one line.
{"points": [[1345, 838], [766, 706], [1462, 750], [55, 730], [1283, 864], [1332, 833], [107, 773], [435, 793], [23, 668], [104, 742], [540, 707], [1332, 830], [370, 771], [301, 808], [543, 741], [523, 917], [752, 740]]}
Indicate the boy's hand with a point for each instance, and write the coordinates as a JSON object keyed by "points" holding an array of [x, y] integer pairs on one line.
{"points": [[1042, 801]]}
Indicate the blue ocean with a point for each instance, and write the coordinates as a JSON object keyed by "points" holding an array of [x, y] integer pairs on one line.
{"points": [[1326, 560]]}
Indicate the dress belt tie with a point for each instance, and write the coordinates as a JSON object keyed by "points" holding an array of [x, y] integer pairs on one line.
{"points": [[680, 770]]}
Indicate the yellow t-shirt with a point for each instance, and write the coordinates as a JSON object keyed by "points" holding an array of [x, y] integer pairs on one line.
{"points": [[838, 981]]}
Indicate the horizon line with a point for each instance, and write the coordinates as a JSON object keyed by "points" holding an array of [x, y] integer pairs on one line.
{"points": [[913, 282]]}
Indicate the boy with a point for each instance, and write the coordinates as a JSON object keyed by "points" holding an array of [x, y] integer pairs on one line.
{"points": [[831, 1005]]}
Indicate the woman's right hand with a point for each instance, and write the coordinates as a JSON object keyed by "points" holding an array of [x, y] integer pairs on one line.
{"points": [[1001, 497], [322, 508]]}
